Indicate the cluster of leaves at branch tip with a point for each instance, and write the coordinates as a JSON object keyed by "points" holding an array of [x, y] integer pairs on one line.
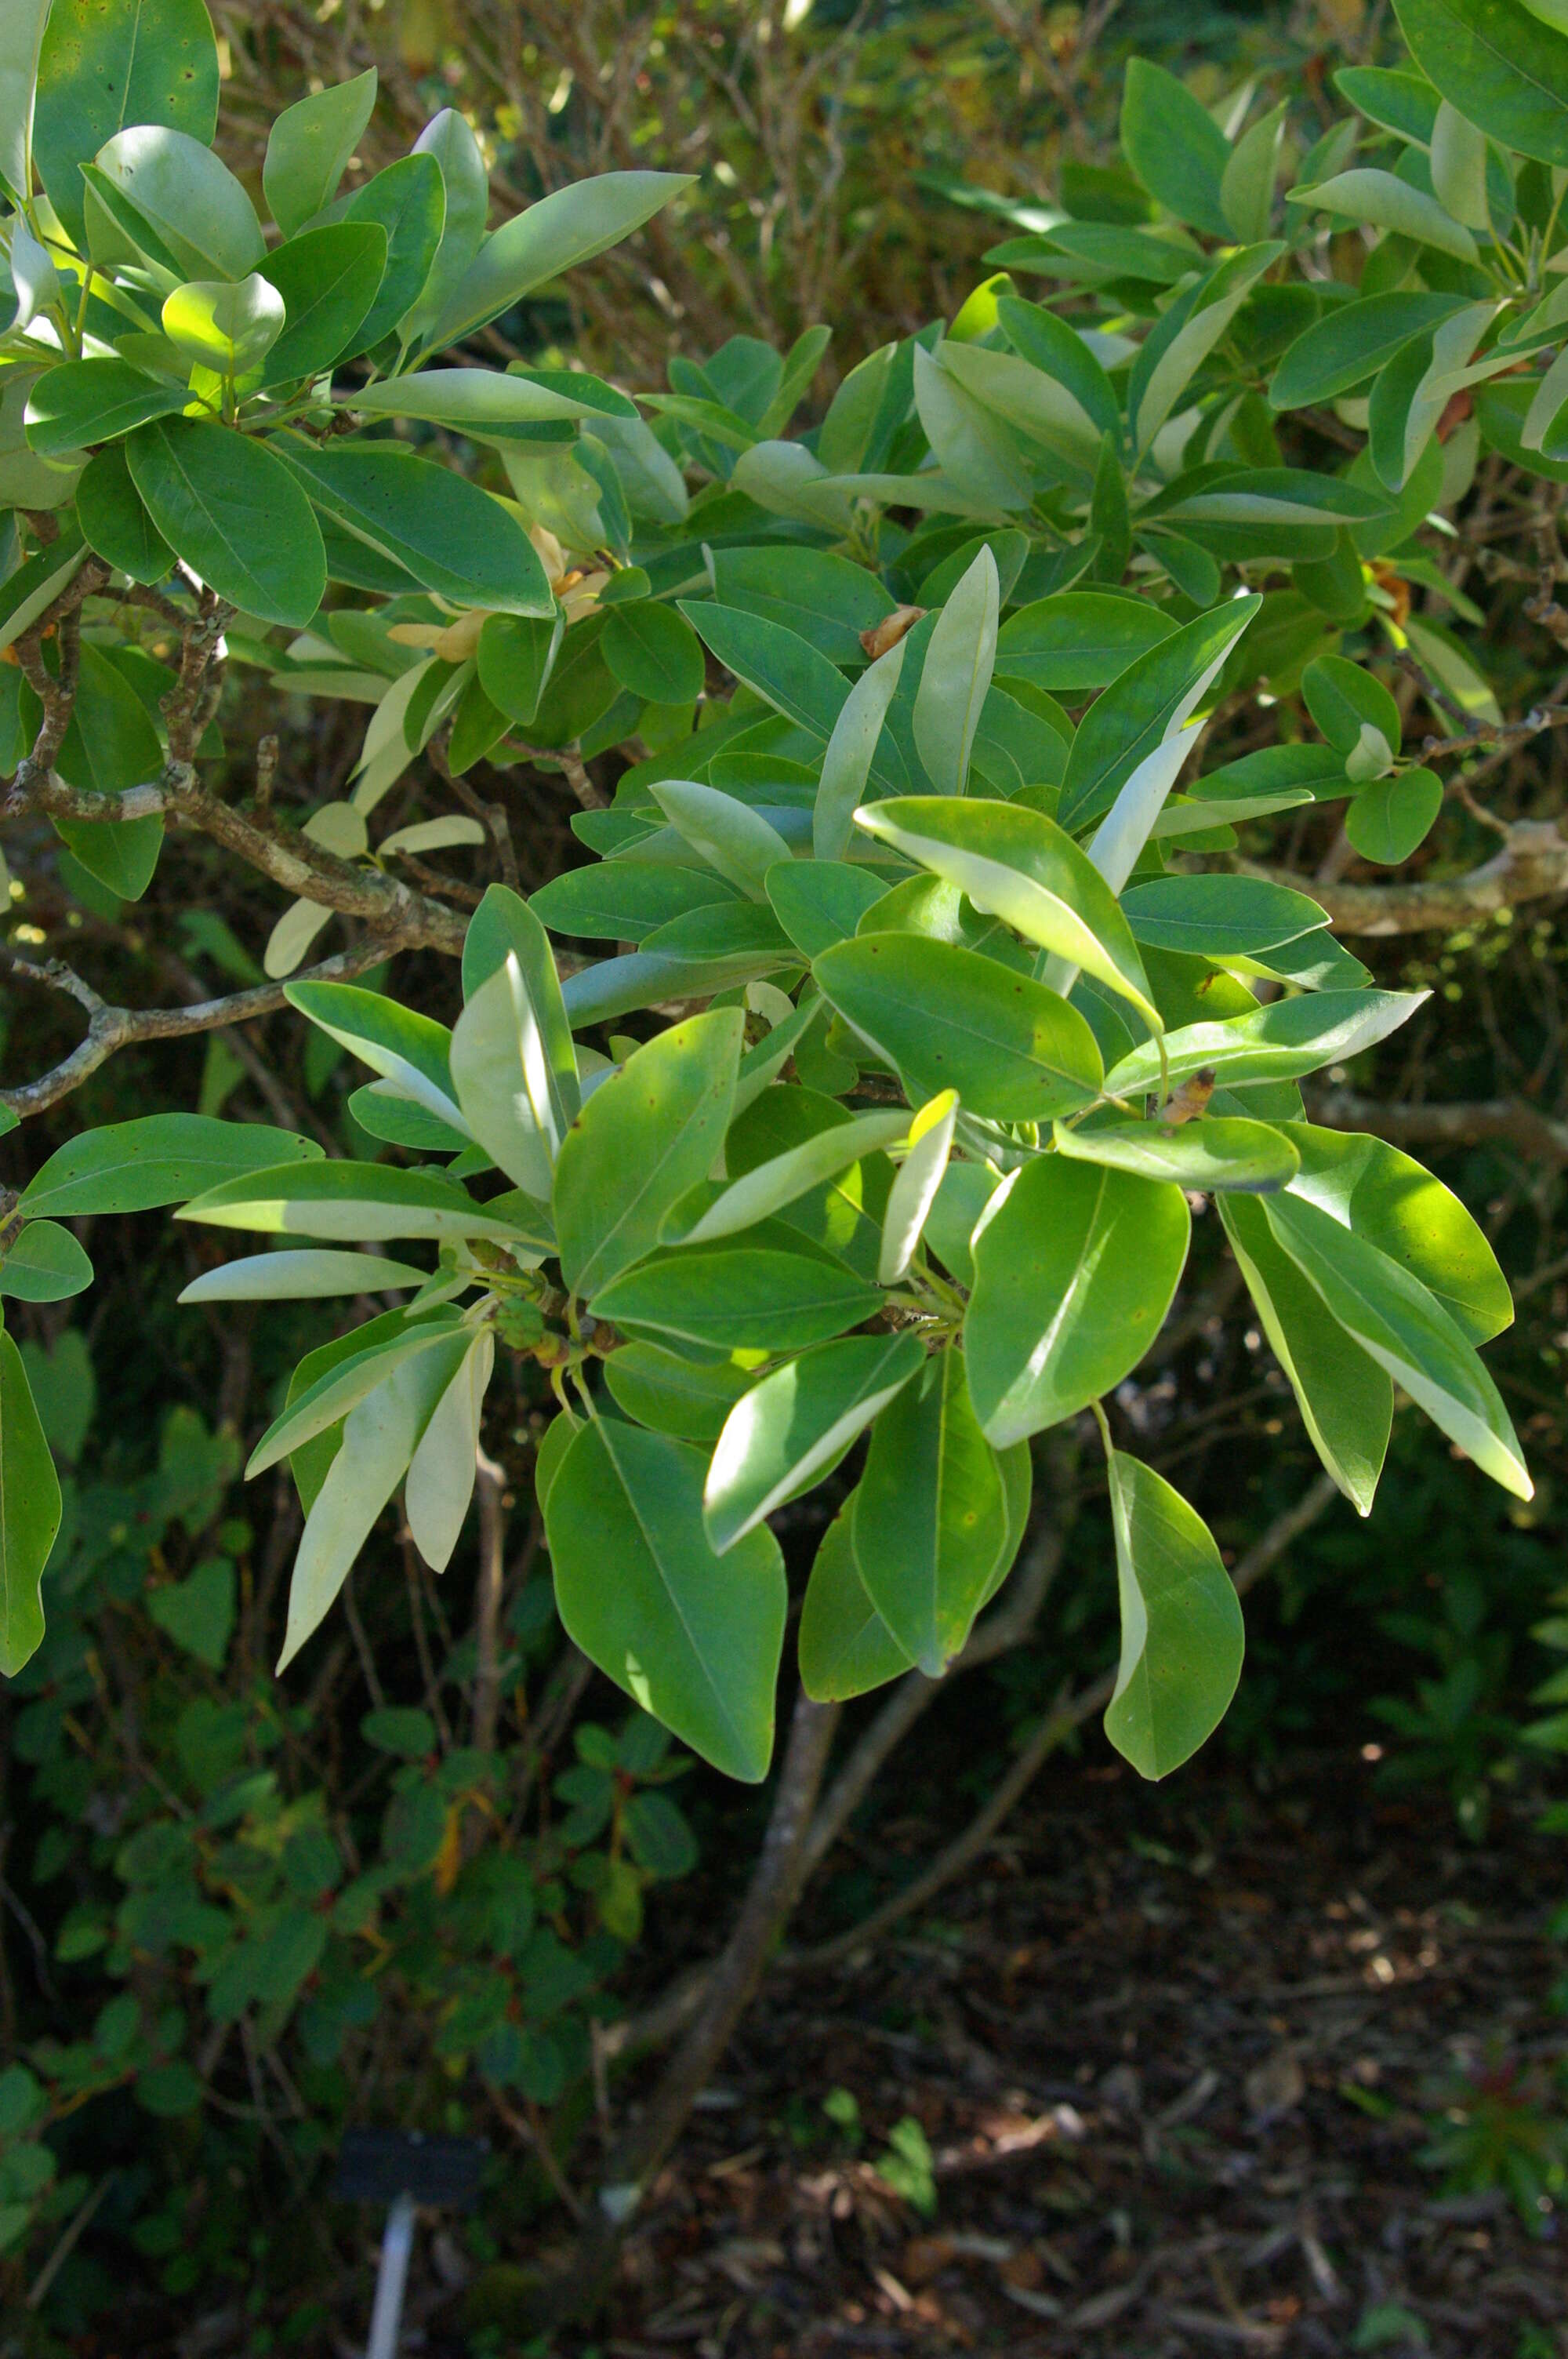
{"points": [[963, 1021]]}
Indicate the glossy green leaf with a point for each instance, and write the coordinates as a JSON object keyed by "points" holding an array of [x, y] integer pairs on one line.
{"points": [[1407, 1331], [852, 752], [190, 200], [1219, 1151], [1182, 1636], [738, 1297], [21, 39], [1383, 201], [1389, 820], [161, 1159], [94, 401], [110, 511], [445, 531], [232, 511], [1280, 1043], [791, 1429], [29, 1513], [1174, 146], [1216, 916], [350, 1381], [502, 1073], [1021, 868], [784, 1179], [1345, 1399], [227, 326], [622, 900], [448, 142], [394, 1041], [913, 1190], [644, 1138], [1394, 1203], [694, 1638], [441, 1472], [1351, 342], [515, 654], [690, 1398], [654, 652], [475, 400], [408, 203], [1079, 638], [300, 1275], [930, 1515], [555, 234], [820, 596], [43, 1263], [1144, 706], [349, 1201], [380, 1437], [308, 148], [1075, 1265], [946, 1017], [1505, 69], [328, 279], [820, 902], [846, 1647], [956, 676], [143, 61], [786, 671], [727, 834]]}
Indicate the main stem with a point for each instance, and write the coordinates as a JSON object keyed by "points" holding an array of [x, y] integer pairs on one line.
{"points": [[770, 1897]]}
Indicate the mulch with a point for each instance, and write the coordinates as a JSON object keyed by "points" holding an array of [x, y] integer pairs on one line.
{"points": [[1175, 2054]]}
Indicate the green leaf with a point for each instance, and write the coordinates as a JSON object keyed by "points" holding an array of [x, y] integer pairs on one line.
{"points": [[380, 1437], [930, 1516], [786, 671], [236, 515], [504, 929], [1279, 1043], [1344, 697], [1174, 146], [1352, 342], [135, 1167], [1026, 399], [787, 1432], [29, 1514], [111, 744], [977, 452], [300, 1275], [350, 1200], [946, 1017], [846, 1647], [1222, 1151], [1385, 202], [821, 597], [1079, 638], [1149, 701], [693, 1638], [689, 1399], [449, 143], [1502, 68], [742, 1298], [1182, 1636], [43, 1263], [349, 1380], [501, 1068], [956, 676], [328, 279], [308, 148], [198, 1614], [1247, 184], [1075, 1265], [515, 654], [913, 1190], [1392, 1203], [1176, 348], [735, 838], [21, 37], [851, 752], [1389, 820], [1459, 167], [409, 202], [441, 1472], [1393, 1315], [654, 652], [476, 399], [445, 531], [226, 326], [644, 1138], [820, 902], [143, 61], [784, 1179], [1218, 916], [562, 230], [1345, 1399], [394, 1041], [110, 511], [94, 401], [192, 201], [1019, 867], [622, 900]]}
